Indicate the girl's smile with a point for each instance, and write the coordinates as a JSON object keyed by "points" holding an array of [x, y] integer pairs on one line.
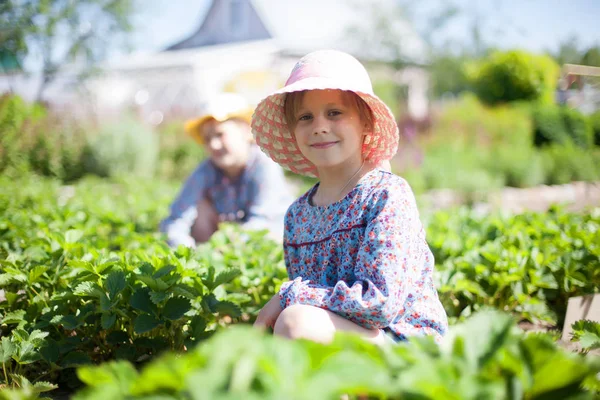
{"points": [[324, 145]]}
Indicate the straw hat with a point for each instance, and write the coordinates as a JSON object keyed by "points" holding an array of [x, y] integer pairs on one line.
{"points": [[223, 107], [320, 70]]}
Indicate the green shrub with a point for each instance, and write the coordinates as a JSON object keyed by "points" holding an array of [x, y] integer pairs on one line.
{"points": [[179, 154], [473, 148], [16, 118], [484, 358], [390, 92], [549, 126], [123, 147], [595, 123], [33, 141], [564, 164], [514, 75], [578, 127], [521, 166], [561, 125]]}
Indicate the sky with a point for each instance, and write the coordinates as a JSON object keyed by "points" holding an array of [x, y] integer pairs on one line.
{"points": [[534, 25]]}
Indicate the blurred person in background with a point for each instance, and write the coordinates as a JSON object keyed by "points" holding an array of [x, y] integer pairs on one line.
{"points": [[236, 183]]}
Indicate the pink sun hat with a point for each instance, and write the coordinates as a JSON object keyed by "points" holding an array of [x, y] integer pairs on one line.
{"points": [[321, 70]]}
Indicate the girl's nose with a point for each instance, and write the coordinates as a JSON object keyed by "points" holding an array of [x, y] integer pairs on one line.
{"points": [[321, 125]]}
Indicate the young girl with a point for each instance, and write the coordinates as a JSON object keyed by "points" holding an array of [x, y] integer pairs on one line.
{"points": [[355, 248]]}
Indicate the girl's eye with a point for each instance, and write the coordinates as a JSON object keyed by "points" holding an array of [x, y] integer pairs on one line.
{"points": [[304, 117], [334, 113]]}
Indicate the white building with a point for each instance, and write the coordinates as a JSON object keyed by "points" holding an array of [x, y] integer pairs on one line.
{"points": [[245, 46]]}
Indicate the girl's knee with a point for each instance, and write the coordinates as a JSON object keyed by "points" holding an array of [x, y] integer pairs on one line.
{"points": [[295, 322]]}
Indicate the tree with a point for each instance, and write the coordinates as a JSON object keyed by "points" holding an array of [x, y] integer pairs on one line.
{"points": [[591, 57], [568, 52], [12, 37], [506, 76], [62, 31]]}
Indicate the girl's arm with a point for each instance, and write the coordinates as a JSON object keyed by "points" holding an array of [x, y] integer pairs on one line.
{"points": [[388, 266], [183, 211]]}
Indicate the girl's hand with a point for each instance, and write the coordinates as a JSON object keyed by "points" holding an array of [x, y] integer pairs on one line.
{"points": [[269, 313]]}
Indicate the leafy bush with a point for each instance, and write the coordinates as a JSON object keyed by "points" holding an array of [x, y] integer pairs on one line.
{"points": [[579, 128], [586, 333], [549, 126], [561, 125], [564, 164], [124, 147], [484, 358], [529, 264], [87, 278], [473, 148], [16, 118], [179, 155], [595, 123], [513, 76]]}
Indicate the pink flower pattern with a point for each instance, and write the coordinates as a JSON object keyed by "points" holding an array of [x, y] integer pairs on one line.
{"points": [[364, 258]]}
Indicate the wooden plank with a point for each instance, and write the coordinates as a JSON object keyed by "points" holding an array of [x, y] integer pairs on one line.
{"points": [[581, 307]]}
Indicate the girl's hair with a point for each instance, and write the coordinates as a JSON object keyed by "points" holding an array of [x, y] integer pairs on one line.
{"points": [[294, 99]]}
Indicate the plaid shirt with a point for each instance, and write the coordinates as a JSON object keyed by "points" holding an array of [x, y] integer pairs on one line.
{"points": [[257, 199]]}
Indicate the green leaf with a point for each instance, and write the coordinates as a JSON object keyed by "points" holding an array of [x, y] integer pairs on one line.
{"points": [[158, 297], [108, 320], [145, 323], [155, 284], [163, 271], [226, 277], [176, 307], [185, 291], [120, 373], [227, 308], [115, 283], [35, 253], [75, 359], [140, 300], [73, 235], [146, 269], [117, 337], [198, 326], [50, 351], [7, 349], [14, 317], [37, 336], [43, 386], [69, 322], [553, 369], [105, 304], [88, 289], [589, 341], [26, 353]]}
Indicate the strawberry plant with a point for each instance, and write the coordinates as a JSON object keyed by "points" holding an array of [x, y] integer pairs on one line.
{"points": [[486, 357]]}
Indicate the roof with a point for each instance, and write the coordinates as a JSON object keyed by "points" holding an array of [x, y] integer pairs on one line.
{"points": [[303, 26]]}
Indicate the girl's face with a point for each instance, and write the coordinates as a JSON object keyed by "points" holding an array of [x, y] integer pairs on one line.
{"points": [[328, 129]]}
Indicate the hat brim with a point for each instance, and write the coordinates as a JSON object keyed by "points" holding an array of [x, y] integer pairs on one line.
{"points": [[193, 127], [274, 137]]}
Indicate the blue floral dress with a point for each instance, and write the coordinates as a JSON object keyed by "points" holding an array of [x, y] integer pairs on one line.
{"points": [[364, 258]]}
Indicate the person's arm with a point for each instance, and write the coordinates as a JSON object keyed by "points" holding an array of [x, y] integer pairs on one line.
{"points": [[270, 198], [183, 211], [388, 264]]}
